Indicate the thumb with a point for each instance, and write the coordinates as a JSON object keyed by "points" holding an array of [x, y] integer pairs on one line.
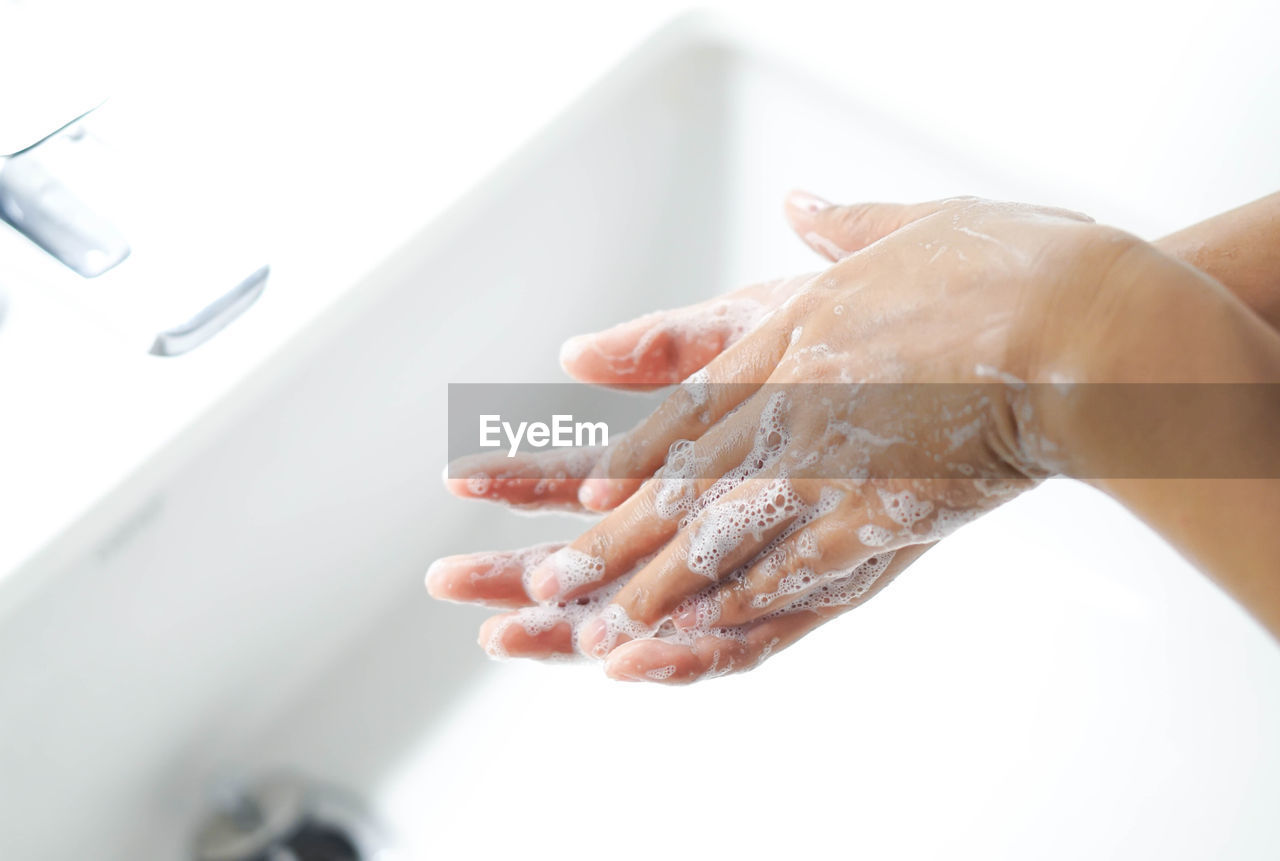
{"points": [[835, 232]]}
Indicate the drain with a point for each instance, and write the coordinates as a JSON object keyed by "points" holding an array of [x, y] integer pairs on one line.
{"points": [[285, 818]]}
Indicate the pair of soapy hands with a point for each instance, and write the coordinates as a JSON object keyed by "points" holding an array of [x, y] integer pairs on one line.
{"points": [[779, 486]]}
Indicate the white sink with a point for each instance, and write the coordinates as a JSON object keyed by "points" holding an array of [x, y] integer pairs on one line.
{"points": [[1052, 682]]}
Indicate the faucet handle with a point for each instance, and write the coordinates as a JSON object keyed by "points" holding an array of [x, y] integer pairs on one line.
{"points": [[170, 262]]}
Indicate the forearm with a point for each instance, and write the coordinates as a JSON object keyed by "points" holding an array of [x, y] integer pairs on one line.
{"points": [[1200, 464], [1225, 527], [1241, 249]]}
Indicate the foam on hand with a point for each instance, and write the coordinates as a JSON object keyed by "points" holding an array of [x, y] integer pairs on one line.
{"points": [[573, 568], [756, 503]]}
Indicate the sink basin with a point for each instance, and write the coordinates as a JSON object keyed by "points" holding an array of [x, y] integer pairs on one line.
{"points": [[1051, 682]]}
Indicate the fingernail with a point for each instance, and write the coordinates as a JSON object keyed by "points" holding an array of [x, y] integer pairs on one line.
{"points": [[474, 486], [543, 585], [487, 628], [806, 202], [624, 665], [592, 493], [616, 671], [435, 577], [571, 349], [701, 612], [686, 618], [591, 640]]}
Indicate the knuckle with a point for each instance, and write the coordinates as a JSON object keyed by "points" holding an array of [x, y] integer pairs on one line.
{"points": [[717, 606], [1112, 236], [643, 604], [1086, 240], [732, 605], [853, 218], [598, 541], [623, 461]]}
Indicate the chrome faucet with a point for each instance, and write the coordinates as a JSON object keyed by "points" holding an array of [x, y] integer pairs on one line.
{"points": [[41, 207], [47, 194], [120, 239], [58, 85]]}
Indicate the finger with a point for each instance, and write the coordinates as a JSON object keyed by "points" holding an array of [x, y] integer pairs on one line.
{"points": [[784, 578], [496, 579], [718, 653], [541, 480], [531, 632], [686, 414], [726, 534], [639, 528], [690, 657], [665, 347], [710, 655], [854, 535], [836, 232]]}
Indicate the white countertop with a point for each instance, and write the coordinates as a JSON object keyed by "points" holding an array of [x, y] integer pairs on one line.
{"points": [[343, 131]]}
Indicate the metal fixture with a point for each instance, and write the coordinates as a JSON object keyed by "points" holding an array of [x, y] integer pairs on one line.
{"points": [[41, 207], [211, 320], [166, 271], [286, 818]]}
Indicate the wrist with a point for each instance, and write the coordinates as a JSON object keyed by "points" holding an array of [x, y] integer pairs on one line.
{"points": [[1161, 377], [1239, 248]]}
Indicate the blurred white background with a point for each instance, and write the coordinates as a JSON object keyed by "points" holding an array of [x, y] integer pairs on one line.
{"points": [[1156, 101], [342, 129]]}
